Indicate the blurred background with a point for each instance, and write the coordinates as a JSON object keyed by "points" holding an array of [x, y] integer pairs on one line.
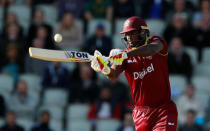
{"points": [[43, 96]]}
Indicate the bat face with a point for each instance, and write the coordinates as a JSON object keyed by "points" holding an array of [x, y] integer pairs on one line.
{"points": [[59, 56]]}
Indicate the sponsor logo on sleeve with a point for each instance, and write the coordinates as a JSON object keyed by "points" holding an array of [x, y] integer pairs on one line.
{"points": [[171, 124], [149, 57], [132, 61]]}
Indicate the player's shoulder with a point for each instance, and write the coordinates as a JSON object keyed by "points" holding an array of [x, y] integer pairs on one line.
{"points": [[158, 38], [164, 51], [155, 38]]}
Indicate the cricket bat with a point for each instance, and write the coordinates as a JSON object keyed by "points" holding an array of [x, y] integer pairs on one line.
{"points": [[62, 56], [59, 56]]}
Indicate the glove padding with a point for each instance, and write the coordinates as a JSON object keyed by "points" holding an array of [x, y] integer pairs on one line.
{"points": [[117, 56], [99, 63]]}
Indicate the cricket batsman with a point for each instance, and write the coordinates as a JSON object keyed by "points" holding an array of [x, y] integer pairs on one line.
{"points": [[144, 63]]}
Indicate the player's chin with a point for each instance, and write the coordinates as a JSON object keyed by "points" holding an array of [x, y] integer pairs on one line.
{"points": [[132, 44]]}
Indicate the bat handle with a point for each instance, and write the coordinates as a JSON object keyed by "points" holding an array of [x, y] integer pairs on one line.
{"points": [[90, 57]]}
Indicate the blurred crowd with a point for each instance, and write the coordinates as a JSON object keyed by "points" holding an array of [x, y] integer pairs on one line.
{"points": [[89, 25]]}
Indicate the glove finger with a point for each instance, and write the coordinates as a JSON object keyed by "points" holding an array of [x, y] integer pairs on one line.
{"points": [[94, 64], [97, 53], [96, 68], [118, 61], [114, 62], [111, 53], [114, 52], [105, 59], [106, 70], [93, 61]]}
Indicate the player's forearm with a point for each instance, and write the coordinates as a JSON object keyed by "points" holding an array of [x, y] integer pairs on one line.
{"points": [[147, 50], [112, 75], [115, 71]]}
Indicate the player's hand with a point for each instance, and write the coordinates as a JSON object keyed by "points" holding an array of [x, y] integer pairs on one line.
{"points": [[117, 56], [99, 63]]}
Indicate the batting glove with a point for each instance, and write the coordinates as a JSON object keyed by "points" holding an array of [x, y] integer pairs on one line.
{"points": [[117, 56], [99, 63]]}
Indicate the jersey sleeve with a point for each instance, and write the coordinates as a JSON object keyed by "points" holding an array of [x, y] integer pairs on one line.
{"points": [[164, 51]]}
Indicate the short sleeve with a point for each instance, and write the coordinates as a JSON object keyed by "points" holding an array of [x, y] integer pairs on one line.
{"points": [[164, 51]]}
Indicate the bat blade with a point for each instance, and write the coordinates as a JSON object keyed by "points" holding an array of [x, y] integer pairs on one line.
{"points": [[59, 56]]}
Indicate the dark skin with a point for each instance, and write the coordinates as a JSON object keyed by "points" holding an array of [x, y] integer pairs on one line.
{"points": [[141, 50]]}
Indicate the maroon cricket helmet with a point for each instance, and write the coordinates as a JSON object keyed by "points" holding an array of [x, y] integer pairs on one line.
{"points": [[134, 23]]}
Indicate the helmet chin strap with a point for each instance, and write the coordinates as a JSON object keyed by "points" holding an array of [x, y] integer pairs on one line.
{"points": [[137, 45], [146, 41]]}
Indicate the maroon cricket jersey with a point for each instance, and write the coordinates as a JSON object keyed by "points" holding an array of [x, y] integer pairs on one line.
{"points": [[148, 77]]}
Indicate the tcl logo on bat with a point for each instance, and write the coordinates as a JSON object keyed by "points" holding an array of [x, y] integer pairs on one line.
{"points": [[137, 75]]}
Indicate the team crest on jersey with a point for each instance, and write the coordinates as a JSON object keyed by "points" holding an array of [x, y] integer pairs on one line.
{"points": [[127, 23]]}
